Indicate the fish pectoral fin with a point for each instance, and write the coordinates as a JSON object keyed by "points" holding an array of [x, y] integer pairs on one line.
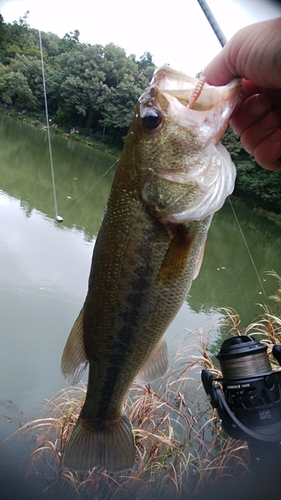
{"points": [[156, 365], [113, 447], [74, 359], [199, 261], [174, 262]]}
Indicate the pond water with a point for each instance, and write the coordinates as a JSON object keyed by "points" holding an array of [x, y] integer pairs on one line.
{"points": [[44, 268]]}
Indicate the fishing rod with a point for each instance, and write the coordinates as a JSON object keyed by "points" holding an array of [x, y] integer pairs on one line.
{"points": [[213, 22]]}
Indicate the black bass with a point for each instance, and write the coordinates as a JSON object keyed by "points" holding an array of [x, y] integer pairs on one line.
{"points": [[172, 176]]}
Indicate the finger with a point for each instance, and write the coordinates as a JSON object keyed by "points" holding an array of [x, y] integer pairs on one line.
{"points": [[252, 136], [248, 88], [218, 71], [268, 152], [243, 54], [250, 111]]}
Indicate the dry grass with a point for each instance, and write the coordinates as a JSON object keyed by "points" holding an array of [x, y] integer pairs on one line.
{"points": [[180, 446]]}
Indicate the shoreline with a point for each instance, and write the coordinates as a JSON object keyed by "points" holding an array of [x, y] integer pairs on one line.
{"points": [[76, 134]]}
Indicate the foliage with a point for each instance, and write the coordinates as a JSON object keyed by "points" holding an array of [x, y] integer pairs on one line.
{"points": [[95, 87], [262, 186], [276, 297], [88, 86], [17, 91]]}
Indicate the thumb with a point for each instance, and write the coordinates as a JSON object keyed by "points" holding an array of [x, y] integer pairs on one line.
{"points": [[252, 53]]}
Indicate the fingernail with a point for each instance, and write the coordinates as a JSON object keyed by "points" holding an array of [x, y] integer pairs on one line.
{"points": [[234, 128], [248, 150], [269, 122], [245, 146], [259, 105], [276, 136]]}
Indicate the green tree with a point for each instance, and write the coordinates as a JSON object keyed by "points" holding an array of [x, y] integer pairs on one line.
{"points": [[50, 43], [145, 61], [23, 20], [115, 65], [16, 91], [3, 36], [19, 38], [261, 186], [117, 106], [68, 42], [77, 82]]}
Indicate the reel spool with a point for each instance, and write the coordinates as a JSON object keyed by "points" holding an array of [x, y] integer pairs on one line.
{"points": [[248, 396], [251, 389]]}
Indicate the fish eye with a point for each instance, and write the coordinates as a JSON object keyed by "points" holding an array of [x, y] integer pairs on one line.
{"points": [[151, 119]]}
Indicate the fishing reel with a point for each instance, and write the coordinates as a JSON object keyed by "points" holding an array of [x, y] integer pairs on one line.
{"points": [[248, 396]]}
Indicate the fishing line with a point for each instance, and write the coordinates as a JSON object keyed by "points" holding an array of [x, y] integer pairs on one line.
{"points": [[58, 217], [94, 185], [249, 252], [245, 366], [222, 39]]}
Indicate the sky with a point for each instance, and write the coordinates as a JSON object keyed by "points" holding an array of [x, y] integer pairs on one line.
{"points": [[174, 32]]}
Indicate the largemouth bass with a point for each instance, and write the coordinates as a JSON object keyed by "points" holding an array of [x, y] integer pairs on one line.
{"points": [[172, 176]]}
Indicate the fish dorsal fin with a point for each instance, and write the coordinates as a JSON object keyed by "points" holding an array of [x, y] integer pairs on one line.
{"points": [[156, 365], [176, 257], [74, 359], [199, 261]]}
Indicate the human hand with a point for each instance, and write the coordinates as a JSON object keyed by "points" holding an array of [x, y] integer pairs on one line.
{"points": [[254, 53]]}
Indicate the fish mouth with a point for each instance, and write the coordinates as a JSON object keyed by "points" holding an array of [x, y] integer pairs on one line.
{"points": [[197, 184], [181, 86], [212, 104]]}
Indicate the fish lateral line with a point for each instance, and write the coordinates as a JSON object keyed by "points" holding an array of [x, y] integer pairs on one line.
{"points": [[145, 257]]}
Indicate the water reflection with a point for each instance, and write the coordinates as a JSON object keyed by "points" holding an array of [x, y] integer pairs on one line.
{"points": [[45, 265], [25, 174], [228, 277]]}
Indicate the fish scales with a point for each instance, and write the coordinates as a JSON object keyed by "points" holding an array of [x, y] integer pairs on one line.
{"points": [[150, 245], [133, 305]]}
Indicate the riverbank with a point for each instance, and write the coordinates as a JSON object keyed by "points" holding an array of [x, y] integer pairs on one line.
{"points": [[103, 143], [244, 200], [77, 134]]}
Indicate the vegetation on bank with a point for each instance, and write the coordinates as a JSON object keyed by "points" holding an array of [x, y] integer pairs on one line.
{"points": [[89, 87], [36, 119], [259, 187], [180, 447], [181, 451], [92, 91]]}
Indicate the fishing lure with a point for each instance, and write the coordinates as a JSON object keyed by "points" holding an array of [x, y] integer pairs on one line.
{"points": [[196, 92]]}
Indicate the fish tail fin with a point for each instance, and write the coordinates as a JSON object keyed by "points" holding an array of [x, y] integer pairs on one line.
{"points": [[111, 447]]}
